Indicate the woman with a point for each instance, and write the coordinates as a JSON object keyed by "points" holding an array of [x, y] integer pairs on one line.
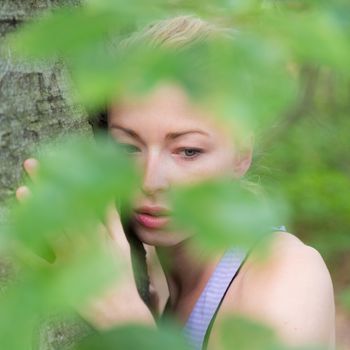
{"points": [[175, 141]]}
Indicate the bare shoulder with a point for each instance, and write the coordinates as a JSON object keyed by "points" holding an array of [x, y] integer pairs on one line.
{"points": [[279, 251], [290, 290], [289, 259]]}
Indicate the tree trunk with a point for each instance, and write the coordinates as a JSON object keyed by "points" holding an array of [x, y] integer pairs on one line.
{"points": [[34, 107]]}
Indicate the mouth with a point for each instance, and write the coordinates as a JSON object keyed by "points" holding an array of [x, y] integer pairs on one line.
{"points": [[152, 217]]}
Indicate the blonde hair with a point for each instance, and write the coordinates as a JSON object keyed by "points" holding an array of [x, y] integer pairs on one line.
{"points": [[176, 32]]}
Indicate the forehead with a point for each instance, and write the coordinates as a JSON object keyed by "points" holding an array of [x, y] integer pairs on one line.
{"points": [[167, 106]]}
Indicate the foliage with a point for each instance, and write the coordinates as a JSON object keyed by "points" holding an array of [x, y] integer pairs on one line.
{"points": [[135, 337], [226, 222], [286, 65]]}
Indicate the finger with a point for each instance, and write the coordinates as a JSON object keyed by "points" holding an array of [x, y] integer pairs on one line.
{"points": [[31, 166], [115, 232], [22, 193], [112, 221]]}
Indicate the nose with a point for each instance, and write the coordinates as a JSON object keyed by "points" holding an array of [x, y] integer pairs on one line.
{"points": [[155, 179]]}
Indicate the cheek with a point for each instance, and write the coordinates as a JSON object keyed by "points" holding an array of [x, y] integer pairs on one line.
{"points": [[216, 164]]}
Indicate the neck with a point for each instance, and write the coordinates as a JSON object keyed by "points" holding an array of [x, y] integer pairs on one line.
{"points": [[186, 270]]}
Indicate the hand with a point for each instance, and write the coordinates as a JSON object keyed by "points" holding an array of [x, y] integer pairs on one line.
{"points": [[120, 303]]}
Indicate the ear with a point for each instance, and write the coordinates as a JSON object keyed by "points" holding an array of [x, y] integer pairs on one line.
{"points": [[244, 158]]}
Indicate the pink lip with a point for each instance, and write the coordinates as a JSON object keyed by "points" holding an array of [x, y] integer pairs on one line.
{"points": [[151, 221], [153, 210]]}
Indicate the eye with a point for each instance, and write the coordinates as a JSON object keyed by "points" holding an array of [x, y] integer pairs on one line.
{"points": [[129, 149], [190, 153]]}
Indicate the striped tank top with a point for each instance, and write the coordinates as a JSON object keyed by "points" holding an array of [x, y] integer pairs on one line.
{"points": [[198, 325]]}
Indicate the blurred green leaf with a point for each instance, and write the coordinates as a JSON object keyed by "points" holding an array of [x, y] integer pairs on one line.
{"points": [[219, 213], [54, 288], [345, 298], [241, 333], [135, 337], [254, 79], [238, 332], [76, 181]]}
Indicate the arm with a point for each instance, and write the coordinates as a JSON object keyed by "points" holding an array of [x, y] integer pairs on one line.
{"points": [[295, 294]]}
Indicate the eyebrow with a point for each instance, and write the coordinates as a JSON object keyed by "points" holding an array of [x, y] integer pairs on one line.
{"points": [[169, 136]]}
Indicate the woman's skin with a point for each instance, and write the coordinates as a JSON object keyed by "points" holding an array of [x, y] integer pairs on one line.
{"points": [[291, 290]]}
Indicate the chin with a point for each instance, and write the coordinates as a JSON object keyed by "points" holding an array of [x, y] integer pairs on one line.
{"points": [[157, 237]]}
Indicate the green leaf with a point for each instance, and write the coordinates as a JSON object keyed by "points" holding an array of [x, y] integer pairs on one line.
{"points": [[225, 213], [76, 181], [135, 337]]}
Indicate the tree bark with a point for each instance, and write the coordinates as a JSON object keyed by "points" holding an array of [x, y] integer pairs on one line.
{"points": [[35, 106]]}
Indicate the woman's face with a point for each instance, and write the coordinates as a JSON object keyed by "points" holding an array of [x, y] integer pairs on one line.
{"points": [[173, 142]]}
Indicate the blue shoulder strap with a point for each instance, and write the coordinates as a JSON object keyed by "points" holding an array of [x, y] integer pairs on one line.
{"points": [[208, 303]]}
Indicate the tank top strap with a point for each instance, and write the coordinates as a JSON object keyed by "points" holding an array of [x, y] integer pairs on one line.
{"points": [[198, 325], [199, 321]]}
